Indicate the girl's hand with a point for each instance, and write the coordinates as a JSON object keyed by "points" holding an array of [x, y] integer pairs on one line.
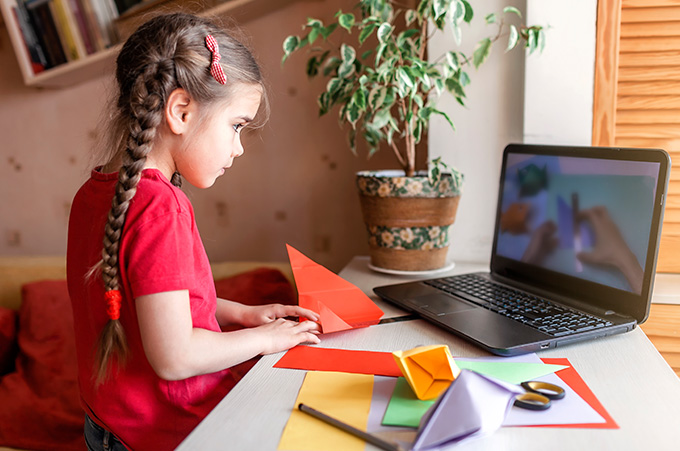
{"points": [[253, 316], [282, 334]]}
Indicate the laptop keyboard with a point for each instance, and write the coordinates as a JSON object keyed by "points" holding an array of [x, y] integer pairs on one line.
{"points": [[531, 310]]}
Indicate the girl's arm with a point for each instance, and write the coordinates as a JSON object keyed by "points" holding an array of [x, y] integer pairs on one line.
{"points": [[230, 312], [176, 350]]}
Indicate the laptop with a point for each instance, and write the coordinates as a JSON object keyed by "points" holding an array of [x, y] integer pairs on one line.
{"points": [[574, 252]]}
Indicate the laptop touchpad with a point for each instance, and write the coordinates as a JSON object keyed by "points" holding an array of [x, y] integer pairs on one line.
{"points": [[442, 305]]}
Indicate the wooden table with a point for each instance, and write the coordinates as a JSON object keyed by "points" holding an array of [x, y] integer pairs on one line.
{"points": [[626, 373]]}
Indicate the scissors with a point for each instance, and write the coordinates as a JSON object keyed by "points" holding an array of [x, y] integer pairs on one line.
{"points": [[538, 395]]}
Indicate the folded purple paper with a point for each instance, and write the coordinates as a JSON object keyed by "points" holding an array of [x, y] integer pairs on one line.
{"points": [[474, 405]]}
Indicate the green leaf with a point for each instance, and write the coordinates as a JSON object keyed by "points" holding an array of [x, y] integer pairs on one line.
{"points": [[381, 50], [452, 61], [366, 32], [333, 85], [381, 118], [512, 9], [457, 33], [491, 18], [359, 99], [290, 44], [345, 70], [384, 32], [376, 97], [325, 32], [331, 64], [468, 12], [531, 40], [313, 34], [481, 52], [454, 86], [458, 10], [439, 7], [410, 17], [347, 53], [404, 78], [513, 38], [346, 21], [353, 113]]}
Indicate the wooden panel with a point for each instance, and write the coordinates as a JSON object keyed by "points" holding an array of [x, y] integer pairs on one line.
{"points": [[671, 230], [649, 3], [649, 59], [647, 102], [662, 14], [671, 215], [647, 116], [663, 329], [654, 88], [670, 145], [606, 67], [645, 29], [651, 44], [649, 73], [648, 131]]}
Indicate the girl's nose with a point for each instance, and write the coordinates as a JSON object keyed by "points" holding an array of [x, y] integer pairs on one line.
{"points": [[238, 148]]}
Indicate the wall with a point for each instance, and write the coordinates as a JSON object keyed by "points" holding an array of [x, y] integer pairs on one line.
{"points": [[541, 98], [295, 183]]}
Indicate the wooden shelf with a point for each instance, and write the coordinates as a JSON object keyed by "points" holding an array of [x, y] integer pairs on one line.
{"points": [[101, 63]]}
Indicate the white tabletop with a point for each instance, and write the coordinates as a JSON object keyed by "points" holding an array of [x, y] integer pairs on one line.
{"points": [[625, 372]]}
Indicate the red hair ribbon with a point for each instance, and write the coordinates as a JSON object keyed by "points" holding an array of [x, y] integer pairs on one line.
{"points": [[215, 68], [113, 303]]}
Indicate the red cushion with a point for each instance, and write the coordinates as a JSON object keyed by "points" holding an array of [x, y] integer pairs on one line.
{"points": [[256, 287], [40, 407], [8, 339]]}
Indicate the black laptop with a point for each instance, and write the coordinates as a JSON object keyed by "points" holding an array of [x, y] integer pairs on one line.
{"points": [[574, 252]]}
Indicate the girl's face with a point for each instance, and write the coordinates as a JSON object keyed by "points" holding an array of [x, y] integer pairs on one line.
{"points": [[212, 149]]}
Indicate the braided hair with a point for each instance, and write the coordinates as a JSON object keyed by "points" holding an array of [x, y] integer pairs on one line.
{"points": [[166, 53]]}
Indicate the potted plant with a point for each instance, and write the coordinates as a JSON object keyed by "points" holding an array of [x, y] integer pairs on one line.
{"points": [[386, 89]]}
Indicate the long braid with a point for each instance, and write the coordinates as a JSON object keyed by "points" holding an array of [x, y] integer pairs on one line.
{"points": [[147, 100]]}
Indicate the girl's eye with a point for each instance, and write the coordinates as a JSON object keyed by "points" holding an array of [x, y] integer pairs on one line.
{"points": [[237, 127]]}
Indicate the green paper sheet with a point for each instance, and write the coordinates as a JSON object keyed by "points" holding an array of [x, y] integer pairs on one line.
{"points": [[511, 372]]}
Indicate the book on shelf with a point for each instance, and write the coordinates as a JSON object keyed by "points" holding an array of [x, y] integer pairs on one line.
{"points": [[58, 31], [35, 52]]}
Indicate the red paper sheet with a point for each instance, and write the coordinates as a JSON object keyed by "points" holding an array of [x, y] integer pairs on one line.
{"points": [[340, 304], [344, 360], [574, 380]]}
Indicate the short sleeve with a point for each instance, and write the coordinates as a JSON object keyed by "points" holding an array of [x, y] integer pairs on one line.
{"points": [[159, 255]]}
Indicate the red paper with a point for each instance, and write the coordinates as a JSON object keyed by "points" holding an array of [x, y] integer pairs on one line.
{"points": [[570, 377], [343, 360], [340, 304]]}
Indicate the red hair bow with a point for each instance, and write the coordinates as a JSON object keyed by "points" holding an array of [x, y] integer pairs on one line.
{"points": [[215, 68]]}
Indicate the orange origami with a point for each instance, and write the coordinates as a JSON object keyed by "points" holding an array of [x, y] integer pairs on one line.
{"points": [[429, 370]]}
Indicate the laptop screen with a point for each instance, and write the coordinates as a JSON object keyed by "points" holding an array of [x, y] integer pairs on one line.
{"points": [[588, 214]]}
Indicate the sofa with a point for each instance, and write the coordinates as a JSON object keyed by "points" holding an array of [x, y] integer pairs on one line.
{"points": [[39, 403]]}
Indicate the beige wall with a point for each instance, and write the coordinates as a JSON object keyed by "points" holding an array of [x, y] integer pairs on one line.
{"points": [[295, 183]]}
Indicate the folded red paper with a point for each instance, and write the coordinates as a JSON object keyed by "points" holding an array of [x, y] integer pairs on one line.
{"points": [[340, 304]]}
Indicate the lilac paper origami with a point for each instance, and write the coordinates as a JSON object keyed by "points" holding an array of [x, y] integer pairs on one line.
{"points": [[472, 406]]}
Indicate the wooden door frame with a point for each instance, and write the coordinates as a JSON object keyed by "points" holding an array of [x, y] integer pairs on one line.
{"points": [[608, 32]]}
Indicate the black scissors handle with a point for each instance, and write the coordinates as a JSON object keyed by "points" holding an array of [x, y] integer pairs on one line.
{"points": [[538, 395]]}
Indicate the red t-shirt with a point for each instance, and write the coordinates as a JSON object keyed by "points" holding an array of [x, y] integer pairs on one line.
{"points": [[160, 250]]}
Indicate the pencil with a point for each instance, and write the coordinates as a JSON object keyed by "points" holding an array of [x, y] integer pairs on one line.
{"points": [[370, 438]]}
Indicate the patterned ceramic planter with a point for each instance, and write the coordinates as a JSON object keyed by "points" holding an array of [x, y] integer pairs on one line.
{"points": [[407, 218]]}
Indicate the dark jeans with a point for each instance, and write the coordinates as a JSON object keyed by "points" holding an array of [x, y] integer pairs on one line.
{"points": [[99, 439]]}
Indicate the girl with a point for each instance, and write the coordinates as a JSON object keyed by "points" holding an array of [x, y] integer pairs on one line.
{"points": [[152, 360]]}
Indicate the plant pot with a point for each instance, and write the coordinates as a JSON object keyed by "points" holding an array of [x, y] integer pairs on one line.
{"points": [[407, 218]]}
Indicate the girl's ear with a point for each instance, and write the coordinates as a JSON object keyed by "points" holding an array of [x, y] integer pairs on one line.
{"points": [[179, 111]]}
